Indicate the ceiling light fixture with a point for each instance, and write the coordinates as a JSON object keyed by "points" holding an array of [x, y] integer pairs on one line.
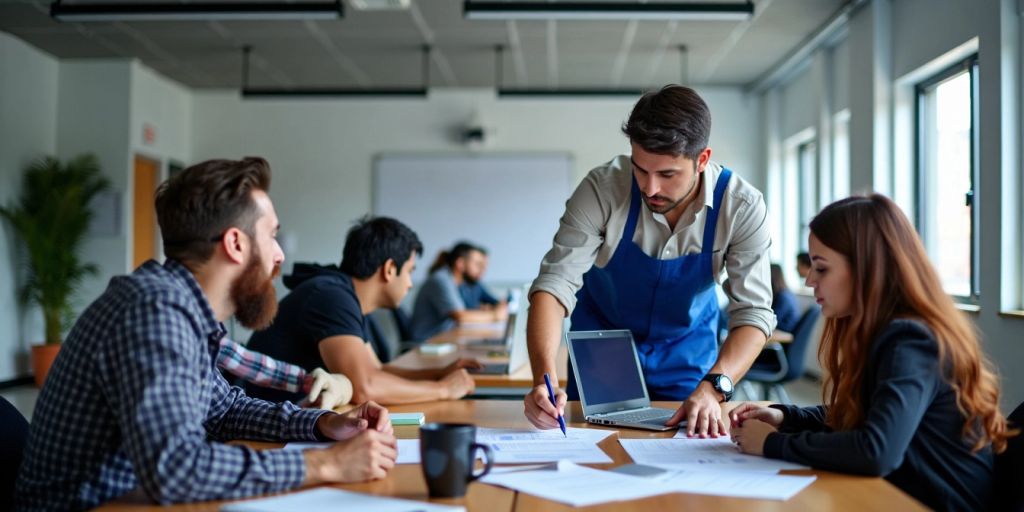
{"points": [[330, 92], [196, 11], [726, 11]]}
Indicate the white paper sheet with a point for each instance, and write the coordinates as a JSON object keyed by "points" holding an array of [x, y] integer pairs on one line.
{"points": [[594, 435], [704, 454], [408, 449], [523, 446], [737, 484], [576, 485], [330, 500]]}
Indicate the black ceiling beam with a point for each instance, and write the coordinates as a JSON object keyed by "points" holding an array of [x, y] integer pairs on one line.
{"points": [[203, 11]]}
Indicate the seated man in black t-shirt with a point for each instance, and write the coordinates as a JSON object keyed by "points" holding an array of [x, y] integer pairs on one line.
{"points": [[321, 321]]}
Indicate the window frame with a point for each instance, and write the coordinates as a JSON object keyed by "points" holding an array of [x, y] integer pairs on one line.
{"points": [[921, 89]]}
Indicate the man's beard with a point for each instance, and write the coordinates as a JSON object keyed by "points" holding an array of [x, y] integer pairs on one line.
{"points": [[254, 295], [468, 279]]}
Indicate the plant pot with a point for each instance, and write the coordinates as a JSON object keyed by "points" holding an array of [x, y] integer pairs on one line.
{"points": [[42, 360]]}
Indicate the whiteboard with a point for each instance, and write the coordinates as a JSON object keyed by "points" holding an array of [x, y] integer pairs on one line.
{"points": [[508, 203]]}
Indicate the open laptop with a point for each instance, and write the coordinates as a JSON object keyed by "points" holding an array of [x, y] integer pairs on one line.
{"points": [[518, 354], [611, 382], [503, 342]]}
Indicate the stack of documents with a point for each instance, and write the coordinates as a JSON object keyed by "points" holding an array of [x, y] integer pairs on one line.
{"points": [[329, 500], [525, 446], [579, 486], [566, 482], [703, 454]]}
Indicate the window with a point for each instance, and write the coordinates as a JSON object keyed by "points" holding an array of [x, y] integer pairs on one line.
{"points": [[841, 155], [947, 175], [807, 202]]}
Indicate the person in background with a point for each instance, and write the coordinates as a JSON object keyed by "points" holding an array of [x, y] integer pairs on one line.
{"points": [[475, 295], [911, 396], [783, 302], [803, 264], [323, 320], [134, 400], [323, 390], [439, 306]]}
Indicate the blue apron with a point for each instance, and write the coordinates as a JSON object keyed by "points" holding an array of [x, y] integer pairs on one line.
{"points": [[669, 305]]}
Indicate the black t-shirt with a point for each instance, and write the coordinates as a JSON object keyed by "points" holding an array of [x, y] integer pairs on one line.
{"points": [[320, 307]]}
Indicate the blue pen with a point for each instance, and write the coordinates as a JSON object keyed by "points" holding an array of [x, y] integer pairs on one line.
{"points": [[551, 395]]}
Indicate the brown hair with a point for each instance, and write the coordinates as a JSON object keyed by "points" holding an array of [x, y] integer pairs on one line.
{"points": [[892, 274], [673, 121], [196, 207]]}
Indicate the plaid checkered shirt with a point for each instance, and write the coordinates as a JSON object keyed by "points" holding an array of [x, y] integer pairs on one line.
{"points": [[134, 400], [261, 369]]}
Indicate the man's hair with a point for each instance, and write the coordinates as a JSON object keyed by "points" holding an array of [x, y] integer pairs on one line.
{"points": [[373, 241], [673, 121], [447, 259], [196, 207], [802, 258]]}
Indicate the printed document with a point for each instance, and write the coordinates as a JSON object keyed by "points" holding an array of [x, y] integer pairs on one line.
{"points": [[704, 454], [330, 500]]}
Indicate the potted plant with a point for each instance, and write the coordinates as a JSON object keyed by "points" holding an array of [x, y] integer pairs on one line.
{"points": [[51, 219]]}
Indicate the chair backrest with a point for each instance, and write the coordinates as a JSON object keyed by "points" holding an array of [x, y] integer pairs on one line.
{"points": [[1010, 467], [796, 350], [13, 436], [384, 345]]}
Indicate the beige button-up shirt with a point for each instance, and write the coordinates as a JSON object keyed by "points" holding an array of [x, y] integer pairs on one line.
{"points": [[596, 214]]}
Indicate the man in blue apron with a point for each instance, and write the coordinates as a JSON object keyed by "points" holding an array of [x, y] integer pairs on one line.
{"points": [[642, 245]]}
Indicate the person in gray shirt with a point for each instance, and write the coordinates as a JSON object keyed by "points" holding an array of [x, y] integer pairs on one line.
{"points": [[439, 306]]}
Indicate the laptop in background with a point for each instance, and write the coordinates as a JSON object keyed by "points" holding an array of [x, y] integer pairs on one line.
{"points": [[611, 382], [518, 353], [503, 342]]}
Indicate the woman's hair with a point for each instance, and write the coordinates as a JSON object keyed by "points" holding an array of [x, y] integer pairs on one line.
{"points": [[778, 280], [893, 278], [447, 259]]}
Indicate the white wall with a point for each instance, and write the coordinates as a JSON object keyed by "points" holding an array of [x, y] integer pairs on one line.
{"points": [[28, 130], [93, 117], [166, 106], [322, 150]]}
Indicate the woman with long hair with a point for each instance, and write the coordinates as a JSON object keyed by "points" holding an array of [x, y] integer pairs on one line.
{"points": [[908, 393]]}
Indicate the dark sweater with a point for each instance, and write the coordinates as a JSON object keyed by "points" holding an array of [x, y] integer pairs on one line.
{"points": [[912, 431]]}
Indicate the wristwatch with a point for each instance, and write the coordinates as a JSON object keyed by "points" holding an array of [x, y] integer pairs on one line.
{"points": [[722, 384]]}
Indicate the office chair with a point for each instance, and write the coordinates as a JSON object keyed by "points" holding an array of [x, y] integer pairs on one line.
{"points": [[1010, 468], [781, 363], [13, 436]]}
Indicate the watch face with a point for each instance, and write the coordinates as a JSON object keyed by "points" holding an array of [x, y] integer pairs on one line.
{"points": [[725, 384]]}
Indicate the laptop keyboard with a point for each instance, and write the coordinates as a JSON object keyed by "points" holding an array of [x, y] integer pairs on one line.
{"points": [[644, 416]]}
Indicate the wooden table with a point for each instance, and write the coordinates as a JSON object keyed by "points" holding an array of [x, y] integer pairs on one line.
{"points": [[516, 383], [831, 491]]}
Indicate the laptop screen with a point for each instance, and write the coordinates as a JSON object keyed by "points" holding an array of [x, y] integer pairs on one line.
{"points": [[607, 369]]}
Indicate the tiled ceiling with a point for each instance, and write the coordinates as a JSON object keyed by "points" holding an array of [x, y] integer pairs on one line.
{"points": [[383, 48]]}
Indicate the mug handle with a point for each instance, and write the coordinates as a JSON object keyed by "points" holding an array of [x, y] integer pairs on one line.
{"points": [[488, 459]]}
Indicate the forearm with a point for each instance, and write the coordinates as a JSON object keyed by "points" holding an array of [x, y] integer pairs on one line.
{"points": [[387, 389], [739, 351], [476, 316], [543, 334], [241, 417], [417, 374]]}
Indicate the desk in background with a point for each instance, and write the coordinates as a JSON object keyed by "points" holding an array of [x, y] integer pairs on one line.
{"points": [[516, 384]]}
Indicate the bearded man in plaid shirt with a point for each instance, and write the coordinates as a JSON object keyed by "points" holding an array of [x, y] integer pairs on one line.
{"points": [[134, 401]]}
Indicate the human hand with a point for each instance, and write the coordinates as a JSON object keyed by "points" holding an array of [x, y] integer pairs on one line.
{"points": [[369, 455], [457, 384], [462, 362], [702, 412], [750, 437], [329, 390], [539, 409], [376, 416], [749, 411]]}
